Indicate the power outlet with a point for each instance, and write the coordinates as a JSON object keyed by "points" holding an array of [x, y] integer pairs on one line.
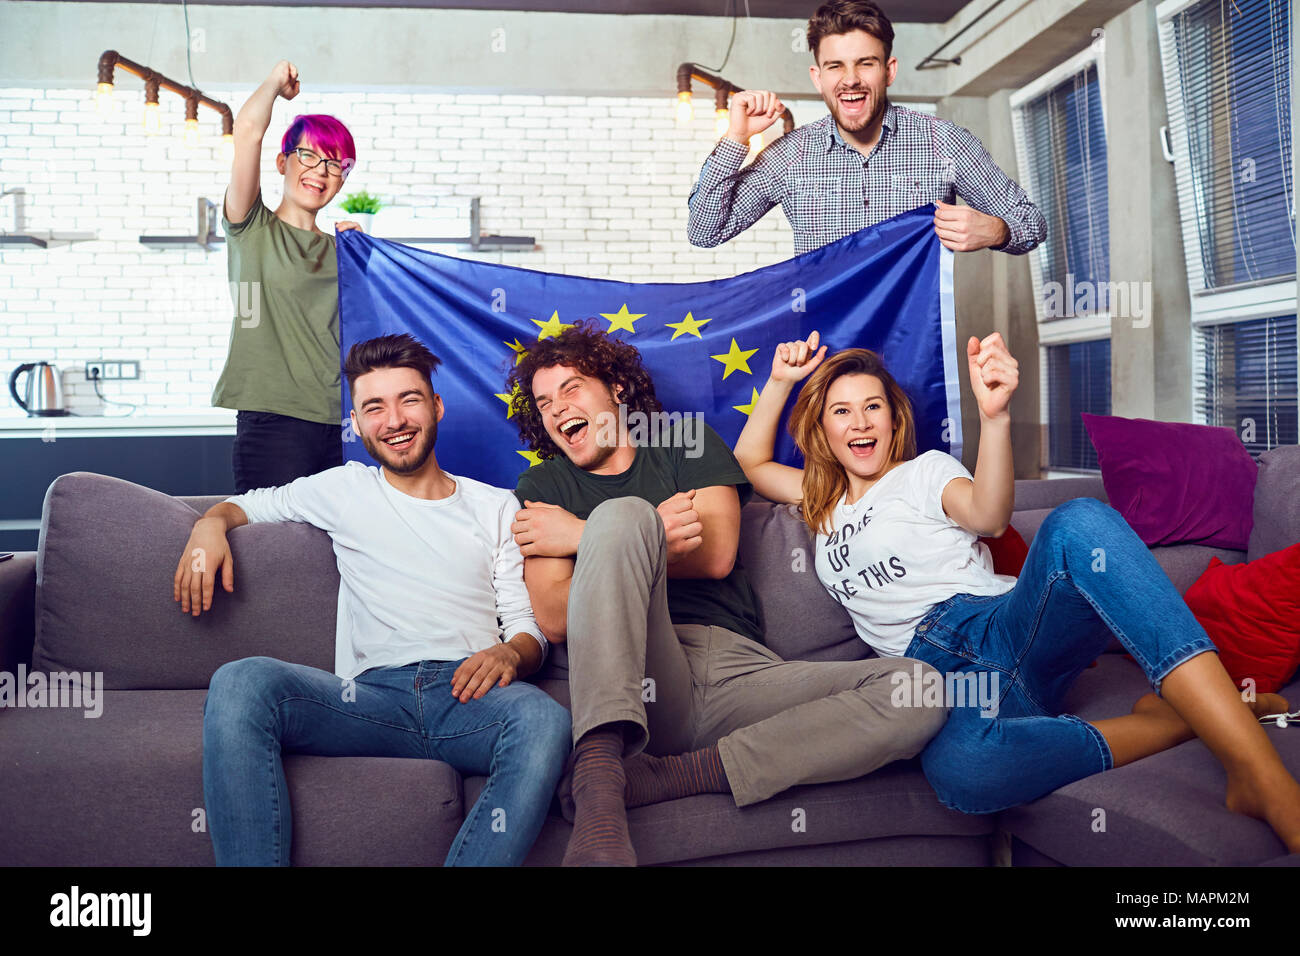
{"points": [[111, 371]]}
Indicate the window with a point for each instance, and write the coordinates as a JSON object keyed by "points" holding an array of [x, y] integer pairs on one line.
{"points": [[1229, 62], [1247, 380], [1062, 141], [1078, 381], [1060, 135], [1227, 69]]}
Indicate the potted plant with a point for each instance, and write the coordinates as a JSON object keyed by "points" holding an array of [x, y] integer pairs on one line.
{"points": [[361, 208]]}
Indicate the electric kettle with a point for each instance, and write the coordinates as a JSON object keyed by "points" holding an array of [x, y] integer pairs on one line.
{"points": [[43, 394]]}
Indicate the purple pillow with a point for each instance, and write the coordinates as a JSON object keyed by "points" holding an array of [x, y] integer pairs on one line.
{"points": [[1176, 483]]}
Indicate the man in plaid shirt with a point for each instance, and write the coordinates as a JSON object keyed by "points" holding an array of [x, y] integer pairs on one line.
{"points": [[866, 162]]}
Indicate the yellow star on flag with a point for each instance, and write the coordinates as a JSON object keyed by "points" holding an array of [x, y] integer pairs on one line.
{"points": [[509, 399], [735, 359], [750, 407], [622, 319], [518, 348], [533, 457], [552, 326], [690, 325]]}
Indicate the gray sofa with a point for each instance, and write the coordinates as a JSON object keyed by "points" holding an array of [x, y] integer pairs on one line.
{"points": [[125, 788]]}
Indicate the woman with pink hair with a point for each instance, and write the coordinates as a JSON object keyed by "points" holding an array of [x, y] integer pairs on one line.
{"points": [[282, 370]]}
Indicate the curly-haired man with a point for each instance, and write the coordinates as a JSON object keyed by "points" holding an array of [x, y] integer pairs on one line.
{"points": [[630, 557]]}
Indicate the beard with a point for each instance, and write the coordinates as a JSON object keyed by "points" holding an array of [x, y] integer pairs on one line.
{"points": [[867, 120], [408, 461]]}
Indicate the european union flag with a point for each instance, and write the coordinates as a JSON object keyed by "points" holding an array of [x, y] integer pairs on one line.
{"points": [[707, 345]]}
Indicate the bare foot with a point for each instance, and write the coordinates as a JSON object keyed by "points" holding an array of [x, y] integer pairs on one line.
{"points": [[1277, 804]]}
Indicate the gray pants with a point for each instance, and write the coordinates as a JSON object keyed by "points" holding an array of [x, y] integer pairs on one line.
{"points": [[777, 724]]}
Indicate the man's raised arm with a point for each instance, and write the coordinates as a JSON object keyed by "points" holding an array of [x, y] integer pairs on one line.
{"points": [[725, 200]]}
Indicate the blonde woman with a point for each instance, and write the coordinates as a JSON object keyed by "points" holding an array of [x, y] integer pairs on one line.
{"points": [[897, 544]]}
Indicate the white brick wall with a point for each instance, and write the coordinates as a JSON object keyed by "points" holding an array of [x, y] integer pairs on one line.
{"points": [[601, 182]]}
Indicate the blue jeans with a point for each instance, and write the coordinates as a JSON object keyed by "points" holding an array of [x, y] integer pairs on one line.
{"points": [[1087, 576], [259, 707]]}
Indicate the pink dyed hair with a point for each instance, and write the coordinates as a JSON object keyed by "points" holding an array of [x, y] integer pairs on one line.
{"points": [[324, 132]]}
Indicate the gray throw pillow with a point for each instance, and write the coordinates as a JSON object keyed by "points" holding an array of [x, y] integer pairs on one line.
{"points": [[801, 622], [107, 556]]}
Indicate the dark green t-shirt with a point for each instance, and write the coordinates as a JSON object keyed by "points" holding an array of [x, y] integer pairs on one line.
{"points": [[284, 341], [656, 475]]}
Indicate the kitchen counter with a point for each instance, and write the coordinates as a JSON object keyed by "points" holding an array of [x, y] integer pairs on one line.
{"points": [[155, 425]]}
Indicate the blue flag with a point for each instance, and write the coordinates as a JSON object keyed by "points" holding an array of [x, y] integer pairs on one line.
{"points": [[708, 346]]}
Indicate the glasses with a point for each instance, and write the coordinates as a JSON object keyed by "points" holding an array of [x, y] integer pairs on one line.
{"points": [[309, 160]]}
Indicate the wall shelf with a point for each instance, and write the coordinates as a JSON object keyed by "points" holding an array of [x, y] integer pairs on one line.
{"points": [[20, 236], [205, 232], [44, 240], [475, 241]]}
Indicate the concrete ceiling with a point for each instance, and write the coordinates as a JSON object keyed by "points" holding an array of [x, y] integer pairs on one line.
{"points": [[901, 11]]}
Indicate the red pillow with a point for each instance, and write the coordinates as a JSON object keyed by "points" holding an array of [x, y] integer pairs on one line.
{"points": [[1252, 613], [1009, 552]]}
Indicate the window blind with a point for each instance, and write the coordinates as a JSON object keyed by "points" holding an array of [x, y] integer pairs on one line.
{"points": [[1247, 380], [1065, 146], [1230, 112], [1078, 381]]}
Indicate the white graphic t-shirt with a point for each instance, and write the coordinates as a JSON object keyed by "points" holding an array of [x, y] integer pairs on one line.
{"points": [[894, 553]]}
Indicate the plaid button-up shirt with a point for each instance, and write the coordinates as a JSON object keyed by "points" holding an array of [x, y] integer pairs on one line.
{"points": [[829, 190]]}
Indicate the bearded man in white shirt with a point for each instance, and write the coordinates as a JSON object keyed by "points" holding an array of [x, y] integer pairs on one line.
{"points": [[427, 565]]}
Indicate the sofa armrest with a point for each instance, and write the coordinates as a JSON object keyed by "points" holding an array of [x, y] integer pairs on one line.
{"points": [[17, 610]]}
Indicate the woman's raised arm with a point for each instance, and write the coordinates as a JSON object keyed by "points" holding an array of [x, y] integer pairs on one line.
{"points": [[250, 126], [792, 362]]}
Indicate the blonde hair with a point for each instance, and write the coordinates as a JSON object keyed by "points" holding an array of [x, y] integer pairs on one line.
{"points": [[824, 479]]}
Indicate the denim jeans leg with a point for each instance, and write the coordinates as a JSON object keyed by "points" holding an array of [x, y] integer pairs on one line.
{"points": [[258, 708], [516, 735], [982, 764], [1087, 547], [1087, 576]]}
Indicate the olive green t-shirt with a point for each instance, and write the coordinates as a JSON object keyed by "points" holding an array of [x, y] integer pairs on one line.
{"points": [[284, 339], [656, 474]]}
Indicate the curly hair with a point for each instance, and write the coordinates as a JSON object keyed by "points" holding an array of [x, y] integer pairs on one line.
{"points": [[592, 352]]}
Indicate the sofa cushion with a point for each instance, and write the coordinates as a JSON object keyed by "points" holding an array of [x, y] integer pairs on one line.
{"points": [[108, 555], [1184, 563], [1252, 613], [1175, 482], [1008, 551], [893, 801], [801, 622], [1166, 808], [1277, 502], [123, 789]]}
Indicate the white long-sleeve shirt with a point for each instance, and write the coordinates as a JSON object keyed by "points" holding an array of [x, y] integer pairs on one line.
{"points": [[419, 580]]}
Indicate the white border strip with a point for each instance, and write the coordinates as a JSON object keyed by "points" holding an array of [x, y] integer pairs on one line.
{"points": [[948, 326]]}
